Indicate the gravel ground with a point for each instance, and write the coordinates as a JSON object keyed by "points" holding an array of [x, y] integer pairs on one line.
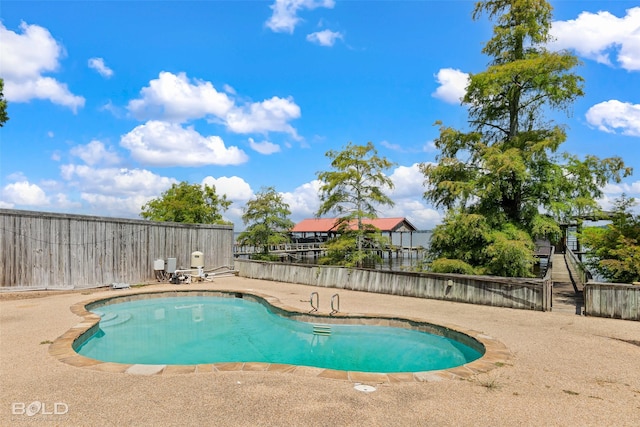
{"points": [[566, 370]]}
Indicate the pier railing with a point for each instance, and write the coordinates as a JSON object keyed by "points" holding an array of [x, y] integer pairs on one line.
{"points": [[284, 248]]}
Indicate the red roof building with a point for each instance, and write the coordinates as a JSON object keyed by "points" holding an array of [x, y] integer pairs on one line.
{"points": [[329, 225], [321, 229]]}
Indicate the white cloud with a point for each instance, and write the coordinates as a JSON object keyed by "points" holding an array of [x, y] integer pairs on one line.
{"points": [[110, 191], [390, 146], [264, 147], [303, 201], [24, 58], [23, 193], [95, 152], [416, 211], [159, 143], [115, 181], [236, 188], [429, 147], [117, 206], [629, 188], [285, 13], [269, 115], [409, 201], [408, 182], [176, 98], [613, 115], [325, 37], [99, 65], [453, 85], [599, 35], [61, 201]]}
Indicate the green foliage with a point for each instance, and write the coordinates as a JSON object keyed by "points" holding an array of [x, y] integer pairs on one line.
{"points": [[265, 257], [470, 239], [3, 105], [267, 216], [461, 236], [445, 265], [353, 247], [187, 203], [510, 253], [506, 168], [615, 249], [353, 190]]}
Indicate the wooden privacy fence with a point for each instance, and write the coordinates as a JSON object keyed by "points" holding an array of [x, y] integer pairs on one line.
{"points": [[51, 251], [529, 294], [615, 300]]}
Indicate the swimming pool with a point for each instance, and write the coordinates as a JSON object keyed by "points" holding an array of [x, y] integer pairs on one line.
{"points": [[191, 329]]}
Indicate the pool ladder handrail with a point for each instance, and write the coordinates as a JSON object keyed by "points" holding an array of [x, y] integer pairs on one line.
{"points": [[315, 307], [335, 298]]}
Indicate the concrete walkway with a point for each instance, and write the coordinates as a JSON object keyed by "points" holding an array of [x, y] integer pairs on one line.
{"points": [[566, 370]]}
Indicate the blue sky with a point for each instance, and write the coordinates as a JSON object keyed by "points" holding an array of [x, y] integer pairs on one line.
{"points": [[111, 102]]}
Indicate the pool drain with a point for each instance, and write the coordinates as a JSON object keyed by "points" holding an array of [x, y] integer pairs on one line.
{"points": [[365, 388]]}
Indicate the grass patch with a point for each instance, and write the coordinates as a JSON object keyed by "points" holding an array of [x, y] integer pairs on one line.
{"points": [[571, 392], [46, 342], [489, 382]]}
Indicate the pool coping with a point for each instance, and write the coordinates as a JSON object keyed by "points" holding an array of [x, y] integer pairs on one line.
{"points": [[496, 354]]}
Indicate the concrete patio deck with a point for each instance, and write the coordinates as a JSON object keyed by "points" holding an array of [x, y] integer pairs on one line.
{"points": [[565, 370]]}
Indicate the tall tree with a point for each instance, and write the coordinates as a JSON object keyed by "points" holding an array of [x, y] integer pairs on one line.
{"points": [[188, 203], [354, 189], [267, 217], [3, 105], [506, 168]]}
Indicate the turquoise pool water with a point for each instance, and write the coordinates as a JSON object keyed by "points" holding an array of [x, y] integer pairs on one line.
{"points": [[195, 330]]}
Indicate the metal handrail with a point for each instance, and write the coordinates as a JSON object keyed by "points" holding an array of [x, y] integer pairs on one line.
{"points": [[314, 308], [335, 298]]}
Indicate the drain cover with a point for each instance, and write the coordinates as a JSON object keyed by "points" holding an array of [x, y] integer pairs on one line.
{"points": [[365, 388]]}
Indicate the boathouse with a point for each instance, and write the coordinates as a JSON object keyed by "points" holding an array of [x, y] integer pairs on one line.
{"points": [[313, 230]]}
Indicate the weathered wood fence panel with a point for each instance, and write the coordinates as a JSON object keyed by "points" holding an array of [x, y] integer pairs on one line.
{"points": [[529, 294], [615, 300], [49, 251]]}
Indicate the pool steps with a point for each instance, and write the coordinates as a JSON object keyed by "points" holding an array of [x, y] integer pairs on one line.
{"points": [[112, 319], [319, 329]]}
